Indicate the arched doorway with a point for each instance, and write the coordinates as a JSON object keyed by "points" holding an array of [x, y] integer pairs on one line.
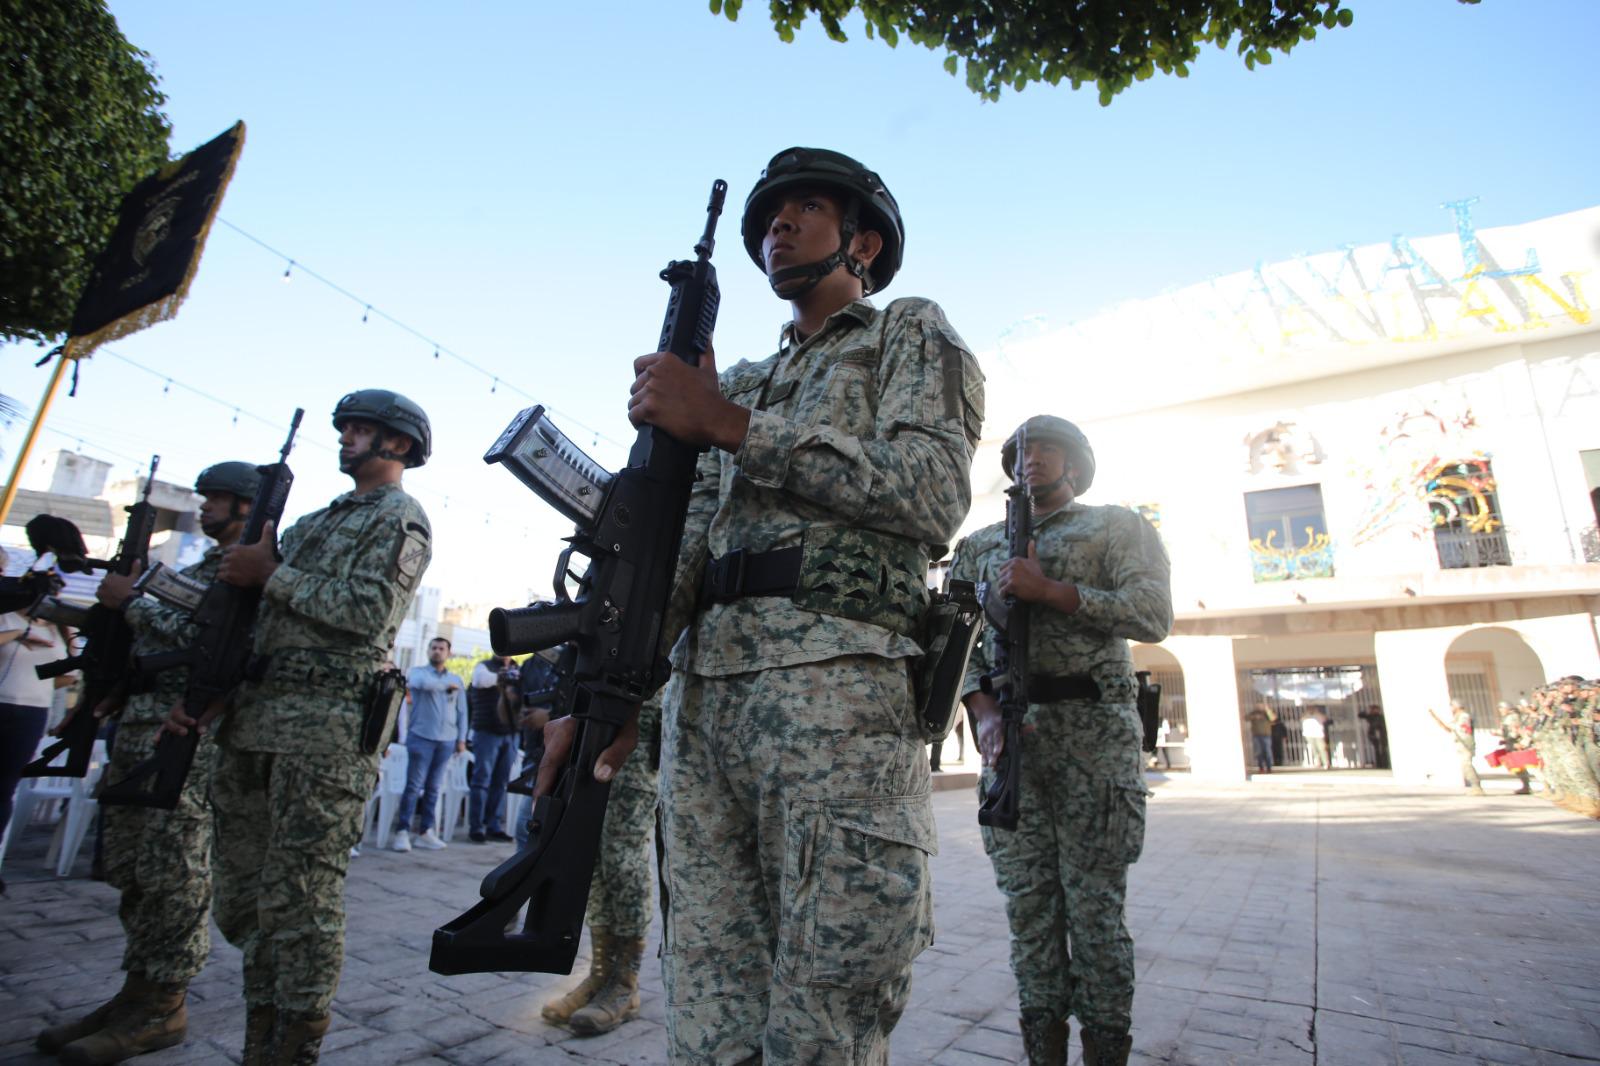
{"points": [[1485, 666], [1172, 743]]}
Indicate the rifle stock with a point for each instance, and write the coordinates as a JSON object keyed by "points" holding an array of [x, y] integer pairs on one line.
{"points": [[216, 658], [107, 650], [630, 527]]}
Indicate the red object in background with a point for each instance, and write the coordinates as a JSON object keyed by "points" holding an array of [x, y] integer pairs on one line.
{"points": [[1513, 760]]}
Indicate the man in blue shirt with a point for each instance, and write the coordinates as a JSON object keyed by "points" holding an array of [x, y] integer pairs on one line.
{"points": [[435, 728]]}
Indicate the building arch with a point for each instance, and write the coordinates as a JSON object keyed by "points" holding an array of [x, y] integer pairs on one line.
{"points": [[1166, 671], [1489, 664]]}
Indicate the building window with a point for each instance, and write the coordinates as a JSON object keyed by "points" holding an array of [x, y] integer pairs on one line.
{"points": [[1467, 530], [1591, 532], [1288, 534]]}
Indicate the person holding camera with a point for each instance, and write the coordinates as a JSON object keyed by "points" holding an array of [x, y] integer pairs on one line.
{"points": [[495, 700]]}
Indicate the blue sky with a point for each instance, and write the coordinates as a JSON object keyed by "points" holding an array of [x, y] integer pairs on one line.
{"points": [[508, 178]]}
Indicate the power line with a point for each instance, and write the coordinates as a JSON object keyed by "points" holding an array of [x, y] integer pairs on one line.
{"points": [[497, 381]]}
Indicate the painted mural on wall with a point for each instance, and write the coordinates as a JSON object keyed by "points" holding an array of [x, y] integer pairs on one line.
{"points": [[1471, 285], [1426, 473], [1399, 293]]}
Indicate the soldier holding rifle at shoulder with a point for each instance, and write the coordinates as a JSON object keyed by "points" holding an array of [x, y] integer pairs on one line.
{"points": [[159, 860], [1093, 578], [794, 777], [298, 748]]}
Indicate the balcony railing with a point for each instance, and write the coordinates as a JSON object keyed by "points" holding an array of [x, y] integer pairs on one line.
{"points": [[1459, 549]]}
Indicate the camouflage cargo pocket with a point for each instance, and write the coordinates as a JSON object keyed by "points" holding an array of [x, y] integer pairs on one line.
{"points": [[1123, 839], [859, 906]]}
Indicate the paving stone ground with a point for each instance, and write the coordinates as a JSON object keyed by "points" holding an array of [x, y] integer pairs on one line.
{"points": [[1301, 920]]}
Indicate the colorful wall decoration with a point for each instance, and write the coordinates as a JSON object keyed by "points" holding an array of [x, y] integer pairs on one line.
{"points": [[1411, 472], [1290, 562]]}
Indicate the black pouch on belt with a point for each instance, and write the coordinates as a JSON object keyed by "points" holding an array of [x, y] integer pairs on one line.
{"points": [[384, 693]]}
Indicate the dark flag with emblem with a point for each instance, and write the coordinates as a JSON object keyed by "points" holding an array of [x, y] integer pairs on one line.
{"points": [[143, 274]]}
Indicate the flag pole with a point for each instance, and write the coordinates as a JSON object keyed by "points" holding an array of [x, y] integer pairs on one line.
{"points": [[33, 435]]}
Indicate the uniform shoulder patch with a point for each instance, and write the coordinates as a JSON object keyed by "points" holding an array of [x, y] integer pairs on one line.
{"points": [[411, 556]]}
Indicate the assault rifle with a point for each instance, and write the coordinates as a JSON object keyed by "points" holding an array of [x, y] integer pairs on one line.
{"points": [[224, 616], [1009, 682], [630, 527], [107, 649]]}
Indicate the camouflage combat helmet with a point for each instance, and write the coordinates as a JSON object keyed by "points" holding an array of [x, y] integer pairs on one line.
{"points": [[1057, 431], [867, 204], [241, 479], [393, 412]]}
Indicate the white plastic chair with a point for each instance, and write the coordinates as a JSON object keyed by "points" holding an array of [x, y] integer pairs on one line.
{"points": [[47, 799], [391, 785], [81, 809], [507, 805], [454, 794]]}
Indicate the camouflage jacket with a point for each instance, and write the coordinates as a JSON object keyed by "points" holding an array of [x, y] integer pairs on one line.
{"points": [[158, 627], [868, 424], [1124, 581], [328, 618]]}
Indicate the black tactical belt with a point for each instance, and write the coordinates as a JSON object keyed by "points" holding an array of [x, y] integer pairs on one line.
{"points": [[1053, 688], [743, 573]]}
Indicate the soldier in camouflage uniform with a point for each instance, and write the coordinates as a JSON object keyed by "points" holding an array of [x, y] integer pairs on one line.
{"points": [[794, 776], [292, 776], [159, 860], [1097, 578], [1563, 747], [1461, 732], [619, 898]]}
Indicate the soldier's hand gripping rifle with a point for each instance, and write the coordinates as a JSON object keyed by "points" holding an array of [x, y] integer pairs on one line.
{"points": [[1009, 683], [224, 616], [107, 649], [630, 527]]}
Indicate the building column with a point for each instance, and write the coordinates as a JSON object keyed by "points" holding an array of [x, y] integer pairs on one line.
{"points": [[1412, 677], [1211, 687]]}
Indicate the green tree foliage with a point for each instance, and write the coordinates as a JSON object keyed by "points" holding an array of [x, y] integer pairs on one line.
{"points": [[82, 125], [1111, 43]]}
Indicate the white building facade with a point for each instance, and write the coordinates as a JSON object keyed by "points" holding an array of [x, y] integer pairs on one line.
{"points": [[1375, 472]]}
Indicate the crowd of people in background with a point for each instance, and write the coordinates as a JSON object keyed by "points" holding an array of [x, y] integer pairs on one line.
{"points": [[1559, 724]]}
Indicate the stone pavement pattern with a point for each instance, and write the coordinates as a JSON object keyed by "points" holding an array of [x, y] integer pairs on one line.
{"points": [[1307, 920]]}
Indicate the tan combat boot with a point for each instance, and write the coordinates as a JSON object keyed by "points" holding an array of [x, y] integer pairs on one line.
{"points": [[1044, 1038], [618, 999], [298, 1041], [258, 1022], [150, 1017], [1105, 1047], [560, 1011], [57, 1037]]}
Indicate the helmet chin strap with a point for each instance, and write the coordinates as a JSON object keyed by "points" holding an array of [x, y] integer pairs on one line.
{"points": [[791, 283], [358, 461], [1042, 491]]}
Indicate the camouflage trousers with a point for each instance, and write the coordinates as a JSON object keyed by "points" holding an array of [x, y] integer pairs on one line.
{"points": [[1064, 869], [1564, 765], [285, 826], [795, 806], [621, 893], [161, 863]]}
